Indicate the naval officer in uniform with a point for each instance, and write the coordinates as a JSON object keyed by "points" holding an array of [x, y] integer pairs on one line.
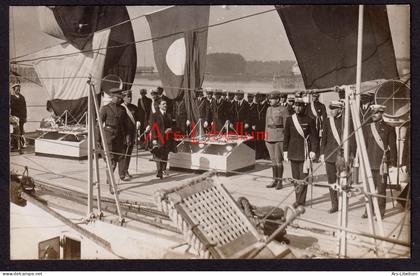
{"points": [[382, 152], [300, 145], [114, 119], [133, 125], [331, 151], [275, 119]]}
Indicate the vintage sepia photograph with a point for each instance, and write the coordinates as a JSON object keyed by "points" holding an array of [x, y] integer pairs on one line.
{"points": [[210, 132]]}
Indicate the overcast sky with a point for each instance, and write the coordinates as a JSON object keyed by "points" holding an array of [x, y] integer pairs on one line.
{"points": [[256, 38]]}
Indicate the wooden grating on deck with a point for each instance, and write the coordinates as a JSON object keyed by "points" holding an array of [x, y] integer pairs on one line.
{"points": [[209, 218]]}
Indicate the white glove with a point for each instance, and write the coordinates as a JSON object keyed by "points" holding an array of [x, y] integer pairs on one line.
{"points": [[168, 130], [231, 126], [285, 156], [312, 155], [188, 122], [154, 142], [246, 126], [253, 127], [322, 158], [138, 125], [206, 124]]}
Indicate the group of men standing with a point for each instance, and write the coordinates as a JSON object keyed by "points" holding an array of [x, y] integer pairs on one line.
{"points": [[124, 123], [295, 131], [303, 133]]}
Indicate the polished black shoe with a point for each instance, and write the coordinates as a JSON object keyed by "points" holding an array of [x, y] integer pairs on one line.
{"points": [[272, 185], [159, 175], [332, 210], [128, 175], [125, 178], [279, 185], [295, 205]]}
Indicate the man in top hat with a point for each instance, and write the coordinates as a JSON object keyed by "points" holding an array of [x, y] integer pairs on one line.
{"points": [[382, 151], [331, 141], [114, 118], [133, 125], [204, 108], [144, 105], [18, 109], [162, 128], [299, 146], [275, 119], [241, 111], [317, 111], [366, 100]]}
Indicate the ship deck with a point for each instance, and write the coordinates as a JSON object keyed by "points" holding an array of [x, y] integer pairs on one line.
{"points": [[308, 239]]}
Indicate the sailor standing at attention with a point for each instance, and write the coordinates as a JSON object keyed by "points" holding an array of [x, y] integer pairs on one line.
{"points": [[381, 150], [113, 116], [275, 118], [299, 146], [331, 141]]}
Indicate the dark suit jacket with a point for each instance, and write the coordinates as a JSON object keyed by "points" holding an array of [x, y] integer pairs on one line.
{"points": [[144, 113], [114, 118], [261, 116], [375, 153], [159, 124], [241, 112], [204, 109], [18, 107], [321, 114], [294, 143], [219, 113], [328, 143]]}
